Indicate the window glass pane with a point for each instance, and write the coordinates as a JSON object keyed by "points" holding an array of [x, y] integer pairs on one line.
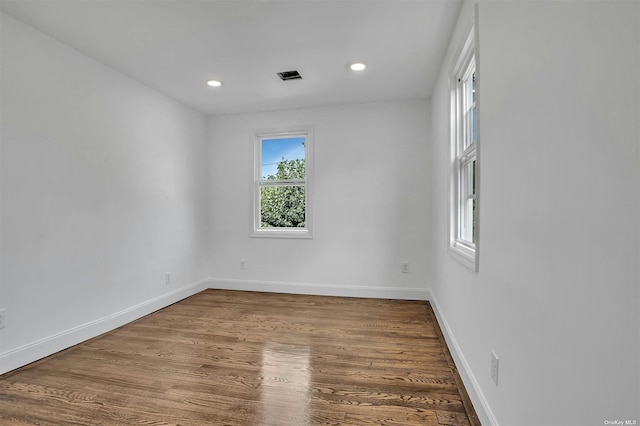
{"points": [[473, 124], [467, 222], [468, 178], [473, 178], [468, 106], [283, 158], [468, 201], [473, 88], [282, 206], [473, 191], [473, 221], [468, 128]]}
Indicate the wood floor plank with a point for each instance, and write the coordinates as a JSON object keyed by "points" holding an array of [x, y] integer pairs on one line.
{"points": [[246, 358]]}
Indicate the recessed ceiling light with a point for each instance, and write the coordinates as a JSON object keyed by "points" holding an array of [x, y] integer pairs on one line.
{"points": [[214, 83], [358, 66]]}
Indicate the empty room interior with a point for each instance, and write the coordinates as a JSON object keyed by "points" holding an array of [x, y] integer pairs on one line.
{"points": [[320, 212]]}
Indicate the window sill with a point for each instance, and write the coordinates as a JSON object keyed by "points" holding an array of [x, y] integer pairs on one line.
{"points": [[465, 255], [281, 233]]}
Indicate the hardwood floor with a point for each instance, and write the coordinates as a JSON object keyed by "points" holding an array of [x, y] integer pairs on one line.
{"points": [[243, 358]]}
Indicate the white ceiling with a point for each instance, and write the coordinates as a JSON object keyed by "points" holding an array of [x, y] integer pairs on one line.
{"points": [[176, 46]]}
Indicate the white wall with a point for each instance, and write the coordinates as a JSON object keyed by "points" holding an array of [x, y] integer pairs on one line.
{"points": [[103, 187], [556, 295], [370, 210]]}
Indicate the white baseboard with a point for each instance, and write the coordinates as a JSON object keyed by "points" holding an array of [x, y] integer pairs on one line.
{"points": [[49, 345], [472, 386], [321, 289]]}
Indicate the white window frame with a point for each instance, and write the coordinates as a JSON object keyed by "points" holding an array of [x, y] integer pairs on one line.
{"points": [[463, 233], [291, 132]]}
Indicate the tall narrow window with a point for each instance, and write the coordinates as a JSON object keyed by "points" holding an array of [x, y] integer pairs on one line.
{"points": [[464, 162], [282, 184]]}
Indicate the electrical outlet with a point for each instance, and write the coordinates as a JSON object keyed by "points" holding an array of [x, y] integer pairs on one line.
{"points": [[2, 318], [495, 363], [405, 267], [167, 278], [243, 264]]}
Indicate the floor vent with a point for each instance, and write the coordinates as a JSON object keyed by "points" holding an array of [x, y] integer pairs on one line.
{"points": [[290, 75]]}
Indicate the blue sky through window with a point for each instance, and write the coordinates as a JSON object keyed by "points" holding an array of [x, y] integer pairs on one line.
{"points": [[273, 150]]}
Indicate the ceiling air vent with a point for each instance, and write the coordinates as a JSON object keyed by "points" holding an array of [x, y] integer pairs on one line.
{"points": [[290, 75]]}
